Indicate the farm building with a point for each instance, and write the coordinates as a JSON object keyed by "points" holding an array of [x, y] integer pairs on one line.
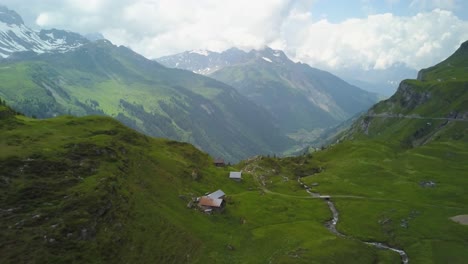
{"points": [[219, 162], [235, 175], [219, 194], [212, 202]]}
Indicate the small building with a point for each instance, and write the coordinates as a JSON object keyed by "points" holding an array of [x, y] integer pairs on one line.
{"points": [[212, 202], [219, 194], [235, 175], [219, 162]]}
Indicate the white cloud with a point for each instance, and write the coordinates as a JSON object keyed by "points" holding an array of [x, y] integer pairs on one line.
{"points": [[432, 4], [160, 27], [45, 19], [378, 41], [88, 6]]}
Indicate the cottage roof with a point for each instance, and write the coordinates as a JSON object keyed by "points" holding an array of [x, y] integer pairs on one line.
{"points": [[235, 175], [219, 161], [208, 201], [216, 195]]}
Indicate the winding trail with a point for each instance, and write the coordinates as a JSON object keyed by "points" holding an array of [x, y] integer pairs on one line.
{"points": [[418, 117], [331, 224]]}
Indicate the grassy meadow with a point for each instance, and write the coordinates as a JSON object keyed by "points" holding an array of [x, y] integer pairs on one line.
{"points": [[91, 190]]}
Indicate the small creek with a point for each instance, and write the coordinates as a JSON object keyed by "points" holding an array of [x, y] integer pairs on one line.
{"points": [[331, 224]]}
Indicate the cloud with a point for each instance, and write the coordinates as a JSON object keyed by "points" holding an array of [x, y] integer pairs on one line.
{"points": [[161, 27], [425, 5], [378, 41], [209, 24]]}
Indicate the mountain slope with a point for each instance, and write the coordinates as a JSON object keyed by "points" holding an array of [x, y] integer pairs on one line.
{"points": [[422, 109], [16, 37], [89, 190], [100, 78], [298, 96], [399, 175]]}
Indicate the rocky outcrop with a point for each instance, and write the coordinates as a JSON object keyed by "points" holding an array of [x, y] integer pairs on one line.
{"points": [[408, 96]]}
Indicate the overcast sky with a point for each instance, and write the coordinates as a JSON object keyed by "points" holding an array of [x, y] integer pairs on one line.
{"points": [[369, 34]]}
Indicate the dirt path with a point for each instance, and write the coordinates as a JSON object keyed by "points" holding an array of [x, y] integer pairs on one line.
{"points": [[418, 117]]}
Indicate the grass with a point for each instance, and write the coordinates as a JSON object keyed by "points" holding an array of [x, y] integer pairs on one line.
{"points": [[102, 79], [393, 206], [90, 190]]}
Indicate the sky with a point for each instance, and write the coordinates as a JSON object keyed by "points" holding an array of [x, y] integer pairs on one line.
{"points": [[365, 34]]}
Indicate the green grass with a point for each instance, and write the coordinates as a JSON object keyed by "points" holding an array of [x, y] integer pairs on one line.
{"points": [[90, 190], [102, 79]]}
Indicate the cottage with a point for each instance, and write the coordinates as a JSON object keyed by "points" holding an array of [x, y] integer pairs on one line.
{"points": [[219, 194], [235, 175], [219, 162], [206, 201], [212, 202]]}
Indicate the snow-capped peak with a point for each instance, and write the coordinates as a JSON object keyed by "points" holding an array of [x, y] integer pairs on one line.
{"points": [[201, 52], [16, 37]]}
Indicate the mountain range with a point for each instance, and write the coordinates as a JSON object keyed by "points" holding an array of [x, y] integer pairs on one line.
{"points": [[90, 190], [83, 77], [17, 37], [301, 98], [100, 78], [253, 93]]}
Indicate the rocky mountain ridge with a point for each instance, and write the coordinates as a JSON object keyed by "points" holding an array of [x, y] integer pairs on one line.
{"points": [[302, 99], [15, 36]]}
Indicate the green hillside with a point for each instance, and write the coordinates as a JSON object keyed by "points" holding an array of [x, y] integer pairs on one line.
{"points": [[89, 190], [100, 78], [400, 173], [421, 110], [451, 69]]}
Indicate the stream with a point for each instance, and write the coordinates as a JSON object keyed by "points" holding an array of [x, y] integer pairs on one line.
{"points": [[331, 224]]}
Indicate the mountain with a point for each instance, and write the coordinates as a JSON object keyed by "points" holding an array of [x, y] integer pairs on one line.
{"points": [[422, 109], [16, 37], [91, 190], [100, 78], [80, 77], [204, 61], [399, 175], [94, 36], [300, 98]]}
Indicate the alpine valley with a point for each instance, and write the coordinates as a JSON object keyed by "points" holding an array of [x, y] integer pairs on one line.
{"points": [[303, 100], [79, 185], [101, 78]]}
